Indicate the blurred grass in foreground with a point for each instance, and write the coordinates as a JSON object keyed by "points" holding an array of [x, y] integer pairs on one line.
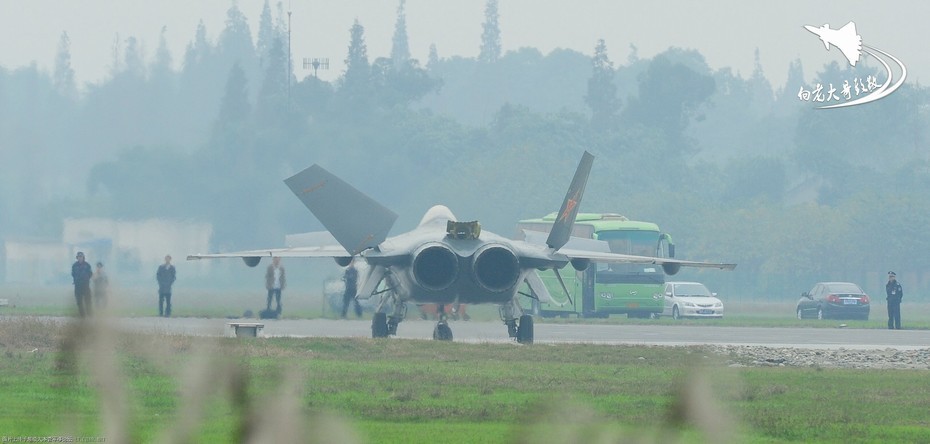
{"points": [[81, 379]]}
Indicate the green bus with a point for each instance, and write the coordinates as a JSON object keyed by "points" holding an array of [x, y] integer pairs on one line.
{"points": [[605, 289]]}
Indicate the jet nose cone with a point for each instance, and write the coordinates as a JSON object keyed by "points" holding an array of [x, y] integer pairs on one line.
{"points": [[813, 29]]}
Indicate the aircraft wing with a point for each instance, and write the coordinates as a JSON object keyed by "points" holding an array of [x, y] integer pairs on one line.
{"points": [[321, 251], [597, 256]]}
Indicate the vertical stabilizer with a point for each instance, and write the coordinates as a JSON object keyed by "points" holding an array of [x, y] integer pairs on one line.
{"points": [[562, 228], [354, 219]]}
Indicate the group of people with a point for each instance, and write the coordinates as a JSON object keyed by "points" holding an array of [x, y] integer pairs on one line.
{"points": [[83, 276], [276, 281]]}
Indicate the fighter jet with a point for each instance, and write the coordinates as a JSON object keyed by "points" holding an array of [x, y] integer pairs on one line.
{"points": [[442, 260], [845, 38]]}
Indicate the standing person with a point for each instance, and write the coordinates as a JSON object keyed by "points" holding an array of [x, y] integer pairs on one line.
{"points": [[894, 294], [275, 281], [165, 277], [351, 279], [101, 286], [81, 274]]}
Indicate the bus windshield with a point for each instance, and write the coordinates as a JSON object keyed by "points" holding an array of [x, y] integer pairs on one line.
{"points": [[639, 243], [635, 242]]}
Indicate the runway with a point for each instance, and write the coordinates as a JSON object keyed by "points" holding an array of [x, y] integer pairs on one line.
{"points": [[496, 332]]}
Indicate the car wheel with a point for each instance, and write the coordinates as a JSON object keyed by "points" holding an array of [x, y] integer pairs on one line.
{"points": [[800, 313], [820, 313], [675, 313]]}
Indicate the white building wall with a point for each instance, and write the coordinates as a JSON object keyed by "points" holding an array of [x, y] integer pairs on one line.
{"points": [[132, 250]]}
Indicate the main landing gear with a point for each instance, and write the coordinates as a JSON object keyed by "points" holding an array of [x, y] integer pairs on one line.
{"points": [[519, 325], [384, 325], [522, 332]]}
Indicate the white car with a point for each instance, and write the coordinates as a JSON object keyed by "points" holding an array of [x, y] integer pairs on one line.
{"points": [[691, 300]]}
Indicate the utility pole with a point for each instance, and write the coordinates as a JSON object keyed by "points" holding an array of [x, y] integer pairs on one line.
{"points": [[288, 73]]}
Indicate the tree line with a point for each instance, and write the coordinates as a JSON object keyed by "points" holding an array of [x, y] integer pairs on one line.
{"points": [[734, 168]]}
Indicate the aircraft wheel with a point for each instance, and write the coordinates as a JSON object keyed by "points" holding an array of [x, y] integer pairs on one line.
{"points": [[379, 327], [442, 332], [675, 313], [820, 314], [512, 328], [525, 330], [800, 314]]}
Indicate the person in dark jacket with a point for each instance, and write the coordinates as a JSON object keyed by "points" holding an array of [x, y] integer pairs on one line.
{"points": [[165, 277], [81, 274], [894, 294], [351, 279]]}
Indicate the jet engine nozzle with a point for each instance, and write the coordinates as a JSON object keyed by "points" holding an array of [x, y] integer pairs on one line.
{"points": [[496, 267], [435, 266]]}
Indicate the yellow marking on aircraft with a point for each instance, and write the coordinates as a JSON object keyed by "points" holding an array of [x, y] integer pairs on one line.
{"points": [[315, 187]]}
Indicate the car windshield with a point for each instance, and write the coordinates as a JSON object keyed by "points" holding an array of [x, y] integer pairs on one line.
{"points": [[844, 288], [692, 290]]}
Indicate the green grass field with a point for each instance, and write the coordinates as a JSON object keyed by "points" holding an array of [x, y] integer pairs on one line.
{"points": [[82, 380]]}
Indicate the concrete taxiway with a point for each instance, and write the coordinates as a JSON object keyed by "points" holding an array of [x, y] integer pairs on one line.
{"points": [[472, 331]]}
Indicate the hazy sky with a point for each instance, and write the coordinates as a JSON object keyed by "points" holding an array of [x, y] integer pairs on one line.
{"points": [[727, 32]]}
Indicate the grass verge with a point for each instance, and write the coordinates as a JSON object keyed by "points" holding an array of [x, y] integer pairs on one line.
{"points": [[80, 379]]}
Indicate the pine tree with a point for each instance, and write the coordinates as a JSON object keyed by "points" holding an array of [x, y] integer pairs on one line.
{"points": [[265, 35], [794, 82], [760, 89], [602, 92], [64, 73], [162, 66], [135, 58], [235, 44], [491, 34], [235, 110], [272, 98], [116, 65], [357, 77], [400, 48], [433, 59], [198, 50]]}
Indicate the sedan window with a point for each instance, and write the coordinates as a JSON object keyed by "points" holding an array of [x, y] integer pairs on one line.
{"points": [[683, 290], [847, 288]]}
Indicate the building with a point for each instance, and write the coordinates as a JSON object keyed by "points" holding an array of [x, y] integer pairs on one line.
{"points": [[130, 249]]}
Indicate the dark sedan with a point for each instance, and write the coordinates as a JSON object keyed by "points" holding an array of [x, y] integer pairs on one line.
{"points": [[834, 300]]}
